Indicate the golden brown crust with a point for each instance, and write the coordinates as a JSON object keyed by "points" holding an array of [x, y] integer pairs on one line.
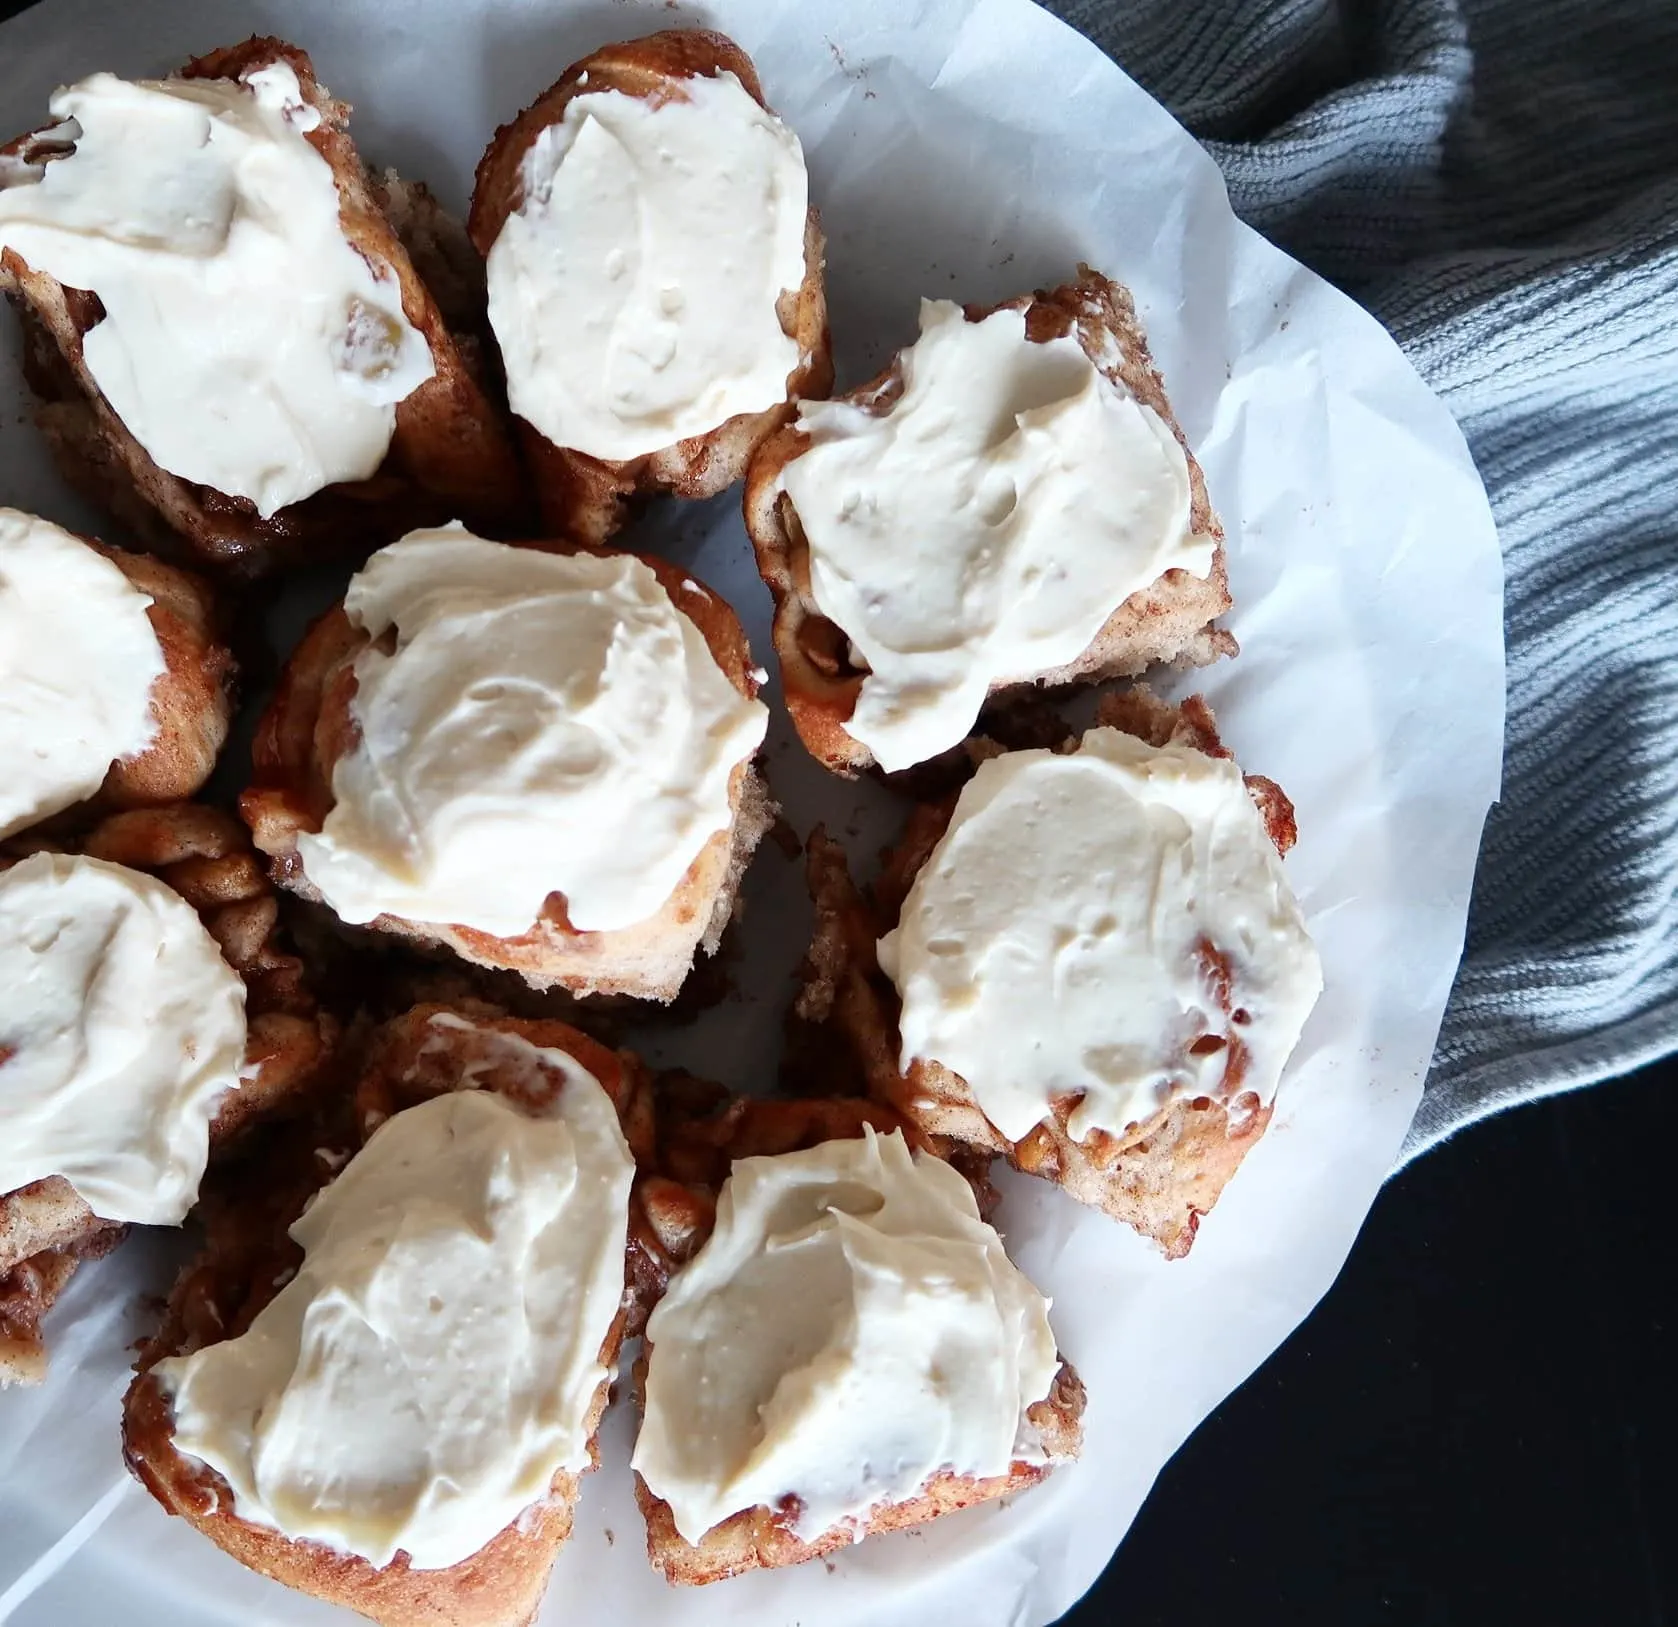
{"points": [[760, 1538], [1168, 622], [248, 1250], [499, 1586], [1139, 711], [29, 1288], [191, 701], [406, 1063], [204, 855], [309, 726], [1162, 1175], [452, 456], [589, 498], [700, 1131]]}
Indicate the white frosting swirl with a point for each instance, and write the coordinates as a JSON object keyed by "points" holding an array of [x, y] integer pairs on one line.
{"points": [[78, 658], [433, 1363], [1114, 924], [849, 1330], [634, 289], [980, 529], [246, 344], [544, 723], [120, 1030]]}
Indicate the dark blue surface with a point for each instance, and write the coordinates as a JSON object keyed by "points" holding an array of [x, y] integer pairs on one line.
{"points": [[1476, 1427]]}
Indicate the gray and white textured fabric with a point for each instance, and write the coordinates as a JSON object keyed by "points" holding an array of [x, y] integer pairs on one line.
{"points": [[1497, 180]]}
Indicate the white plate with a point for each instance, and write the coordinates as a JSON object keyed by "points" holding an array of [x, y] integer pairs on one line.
{"points": [[972, 148]]}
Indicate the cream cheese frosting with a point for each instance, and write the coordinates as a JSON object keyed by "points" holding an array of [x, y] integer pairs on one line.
{"points": [[980, 529], [633, 290], [246, 344], [849, 1330], [433, 1363], [121, 1029], [78, 658], [545, 723], [1113, 923]]}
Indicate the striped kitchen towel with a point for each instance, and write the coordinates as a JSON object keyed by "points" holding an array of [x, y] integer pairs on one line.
{"points": [[1498, 182]]}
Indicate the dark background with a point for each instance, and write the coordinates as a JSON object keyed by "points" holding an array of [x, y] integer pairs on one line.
{"points": [[1475, 1427]]}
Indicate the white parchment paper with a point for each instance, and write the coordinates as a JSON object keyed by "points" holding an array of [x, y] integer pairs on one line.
{"points": [[973, 149]]}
